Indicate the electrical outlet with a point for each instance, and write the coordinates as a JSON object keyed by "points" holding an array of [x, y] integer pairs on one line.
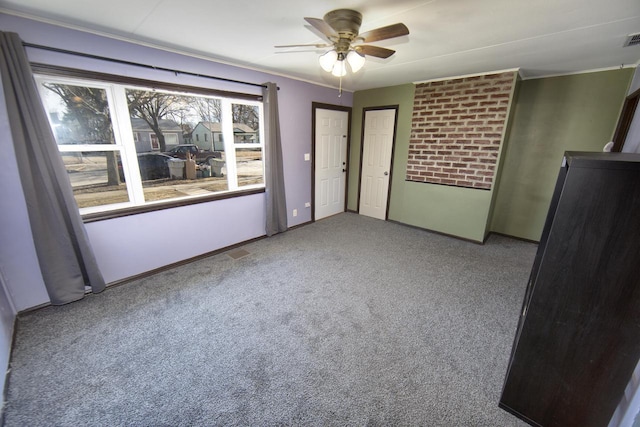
{"points": [[307, 205], [295, 212]]}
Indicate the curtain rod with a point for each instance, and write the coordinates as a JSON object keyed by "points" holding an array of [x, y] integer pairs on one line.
{"points": [[137, 64]]}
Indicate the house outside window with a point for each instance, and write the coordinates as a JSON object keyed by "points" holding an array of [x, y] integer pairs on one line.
{"points": [[102, 128]]}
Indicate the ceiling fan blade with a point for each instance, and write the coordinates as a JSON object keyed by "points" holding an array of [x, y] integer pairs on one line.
{"points": [[322, 26], [377, 51], [383, 33], [318, 45]]}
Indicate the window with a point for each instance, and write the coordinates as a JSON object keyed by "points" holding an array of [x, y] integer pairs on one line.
{"points": [[247, 141], [155, 145], [124, 146]]}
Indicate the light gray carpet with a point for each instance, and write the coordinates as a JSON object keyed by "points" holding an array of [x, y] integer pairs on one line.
{"points": [[349, 321]]}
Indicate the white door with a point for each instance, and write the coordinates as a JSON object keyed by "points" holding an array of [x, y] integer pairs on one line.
{"points": [[330, 162], [377, 147]]}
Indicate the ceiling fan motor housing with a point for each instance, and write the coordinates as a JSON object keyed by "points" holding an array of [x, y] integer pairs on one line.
{"points": [[345, 22]]}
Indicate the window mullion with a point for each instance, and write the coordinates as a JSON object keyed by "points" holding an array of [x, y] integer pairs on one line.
{"points": [[124, 136], [229, 145], [72, 148], [261, 135]]}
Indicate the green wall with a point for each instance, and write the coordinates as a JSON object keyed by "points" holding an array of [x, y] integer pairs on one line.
{"points": [[462, 212], [548, 116], [552, 115]]}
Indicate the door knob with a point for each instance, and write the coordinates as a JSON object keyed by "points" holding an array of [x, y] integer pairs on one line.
{"points": [[386, 173]]}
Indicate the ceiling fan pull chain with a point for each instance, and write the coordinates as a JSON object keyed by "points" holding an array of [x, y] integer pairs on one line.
{"points": [[340, 91]]}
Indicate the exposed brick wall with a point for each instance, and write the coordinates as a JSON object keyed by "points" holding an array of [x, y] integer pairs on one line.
{"points": [[457, 130]]}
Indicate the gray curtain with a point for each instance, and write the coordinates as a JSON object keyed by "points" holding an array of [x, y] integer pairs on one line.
{"points": [[274, 176], [64, 253]]}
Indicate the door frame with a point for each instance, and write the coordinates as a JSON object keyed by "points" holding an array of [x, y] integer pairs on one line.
{"points": [[624, 121], [315, 106], [393, 152]]}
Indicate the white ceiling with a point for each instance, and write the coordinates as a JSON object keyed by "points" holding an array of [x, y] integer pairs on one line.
{"points": [[447, 37]]}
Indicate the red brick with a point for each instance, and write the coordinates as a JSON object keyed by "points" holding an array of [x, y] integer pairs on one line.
{"points": [[488, 116]]}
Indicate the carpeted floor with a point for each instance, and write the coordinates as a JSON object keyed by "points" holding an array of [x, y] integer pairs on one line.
{"points": [[349, 321]]}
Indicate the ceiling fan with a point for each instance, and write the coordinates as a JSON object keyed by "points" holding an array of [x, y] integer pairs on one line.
{"points": [[341, 29]]}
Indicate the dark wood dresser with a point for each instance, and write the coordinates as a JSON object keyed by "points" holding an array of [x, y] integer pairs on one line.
{"points": [[578, 337]]}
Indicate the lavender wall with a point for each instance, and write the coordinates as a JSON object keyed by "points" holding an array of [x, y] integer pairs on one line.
{"points": [[134, 244], [18, 262], [7, 318]]}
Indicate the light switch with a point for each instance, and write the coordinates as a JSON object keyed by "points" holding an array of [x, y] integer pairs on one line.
{"points": [[307, 157]]}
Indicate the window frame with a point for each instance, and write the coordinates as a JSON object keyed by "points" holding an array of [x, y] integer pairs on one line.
{"points": [[116, 87]]}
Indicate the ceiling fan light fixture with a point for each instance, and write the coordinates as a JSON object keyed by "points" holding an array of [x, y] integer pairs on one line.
{"points": [[328, 60], [355, 60], [339, 69]]}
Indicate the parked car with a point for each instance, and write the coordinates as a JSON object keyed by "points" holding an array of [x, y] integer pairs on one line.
{"points": [[152, 166], [201, 156]]}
